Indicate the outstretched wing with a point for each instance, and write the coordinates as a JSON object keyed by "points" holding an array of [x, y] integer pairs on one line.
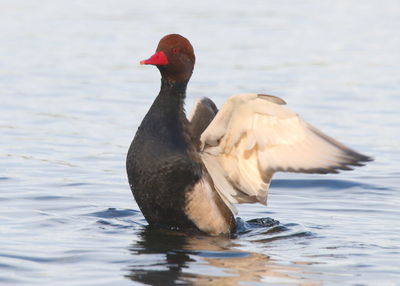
{"points": [[254, 135]]}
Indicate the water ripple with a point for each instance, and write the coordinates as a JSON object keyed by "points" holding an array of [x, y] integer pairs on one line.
{"points": [[114, 213], [323, 183], [61, 259]]}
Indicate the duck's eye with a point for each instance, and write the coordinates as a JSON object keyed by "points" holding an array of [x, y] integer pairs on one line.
{"points": [[174, 50]]}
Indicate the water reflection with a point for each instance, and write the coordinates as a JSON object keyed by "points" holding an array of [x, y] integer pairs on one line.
{"points": [[163, 257]]}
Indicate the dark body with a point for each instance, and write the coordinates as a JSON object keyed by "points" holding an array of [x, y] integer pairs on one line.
{"points": [[162, 165]]}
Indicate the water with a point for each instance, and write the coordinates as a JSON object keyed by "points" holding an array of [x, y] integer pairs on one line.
{"points": [[73, 94]]}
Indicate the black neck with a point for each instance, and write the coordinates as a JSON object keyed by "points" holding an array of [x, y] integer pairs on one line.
{"points": [[171, 98], [168, 108], [174, 88], [166, 118]]}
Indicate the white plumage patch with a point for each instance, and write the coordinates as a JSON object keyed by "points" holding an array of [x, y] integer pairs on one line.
{"points": [[253, 136], [203, 211]]}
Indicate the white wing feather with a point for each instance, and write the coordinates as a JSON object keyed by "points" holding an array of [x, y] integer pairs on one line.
{"points": [[253, 136]]}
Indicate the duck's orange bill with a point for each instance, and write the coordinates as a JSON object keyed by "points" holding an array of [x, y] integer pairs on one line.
{"points": [[158, 59]]}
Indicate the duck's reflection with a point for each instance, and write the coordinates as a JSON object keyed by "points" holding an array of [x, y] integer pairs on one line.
{"points": [[172, 258]]}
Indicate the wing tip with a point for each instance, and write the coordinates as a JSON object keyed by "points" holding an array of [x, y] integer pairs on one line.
{"points": [[353, 158], [345, 164]]}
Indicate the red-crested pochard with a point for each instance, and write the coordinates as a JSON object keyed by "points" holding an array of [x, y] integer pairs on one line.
{"points": [[189, 173]]}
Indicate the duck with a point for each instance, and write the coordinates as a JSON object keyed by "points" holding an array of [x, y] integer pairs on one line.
{"points": [[188, 173]]}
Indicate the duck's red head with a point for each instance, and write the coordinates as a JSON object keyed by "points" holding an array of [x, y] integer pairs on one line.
{"points": [[174, 58]]}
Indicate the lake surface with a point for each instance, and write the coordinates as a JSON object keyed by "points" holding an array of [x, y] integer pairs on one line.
{"points": [[72, 96]]}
